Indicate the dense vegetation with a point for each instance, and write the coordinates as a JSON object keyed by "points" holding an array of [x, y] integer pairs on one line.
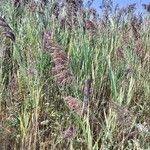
{"points": [[71, 78]]}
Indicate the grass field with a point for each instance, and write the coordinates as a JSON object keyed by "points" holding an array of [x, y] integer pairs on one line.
{"points": [[71, 79]]}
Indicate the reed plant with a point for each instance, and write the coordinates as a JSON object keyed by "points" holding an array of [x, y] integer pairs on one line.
{"points": [[71, 78]]}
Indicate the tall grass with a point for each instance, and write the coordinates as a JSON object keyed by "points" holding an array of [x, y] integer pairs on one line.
{"points": [[73, 80]]}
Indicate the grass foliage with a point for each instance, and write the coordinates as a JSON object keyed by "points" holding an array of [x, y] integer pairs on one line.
{"points": [[71, 79]]}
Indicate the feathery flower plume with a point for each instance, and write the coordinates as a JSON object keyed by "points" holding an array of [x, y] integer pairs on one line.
{"points": [[68, 133], [61, 73], [89, 25], [73, 104], [136, 23], [72, 7], [131, 7], [106, 8], [125, 34], [138, 48]]}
